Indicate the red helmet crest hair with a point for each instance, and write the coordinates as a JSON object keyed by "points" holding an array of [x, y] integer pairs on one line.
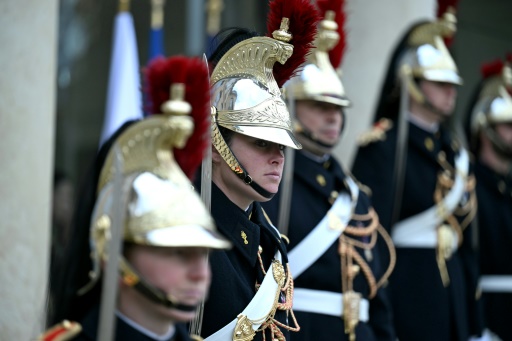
{"points": [[304, 18], [492, 68], [160, 74], [444, 6], [337, 6]]}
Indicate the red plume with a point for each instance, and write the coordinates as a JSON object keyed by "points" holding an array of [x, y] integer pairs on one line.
{"points": [[193, 72], [337, 6], [304, 19], [492, 68], [443, 5]]}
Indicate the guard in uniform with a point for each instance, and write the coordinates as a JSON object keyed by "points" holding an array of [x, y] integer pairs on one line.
{"points": [[490, 118], [139, 190], [333, 229], [423, 189], [252, 289]]}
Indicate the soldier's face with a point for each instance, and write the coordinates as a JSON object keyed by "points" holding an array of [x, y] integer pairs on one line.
{"points": [[182, 272], [441, 95], [323, 120], [264, 162]]}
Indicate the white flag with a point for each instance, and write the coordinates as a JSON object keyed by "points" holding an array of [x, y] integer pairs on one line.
{"points": [[124, 97]]}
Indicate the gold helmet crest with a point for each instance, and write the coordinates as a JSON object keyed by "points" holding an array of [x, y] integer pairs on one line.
{"points": [[158, 203], [319, 80], [494, 103], [246, 80]]}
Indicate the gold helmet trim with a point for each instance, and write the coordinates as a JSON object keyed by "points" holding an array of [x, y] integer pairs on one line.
{"points": [[319, 81], [429, 58], [494, 105], [245, 94], [160, 207]]}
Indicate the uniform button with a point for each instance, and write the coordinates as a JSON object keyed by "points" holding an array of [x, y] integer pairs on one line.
{"points": [[333, 196], [502, 186], [441, 156], [429, 144], [321, 180]]}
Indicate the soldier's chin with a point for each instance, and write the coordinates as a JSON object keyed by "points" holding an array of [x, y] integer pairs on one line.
{"points": [[261, 198], [446, 111], [181, 316], [329, 140], [314, 145]]}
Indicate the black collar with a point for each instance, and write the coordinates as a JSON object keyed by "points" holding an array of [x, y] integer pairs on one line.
{"points": [[430, 144], [234, 224], [329, 171]]}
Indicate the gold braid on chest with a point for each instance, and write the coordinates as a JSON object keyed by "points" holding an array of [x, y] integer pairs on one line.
{"points": [[455, 222], [285, 287], [352, 262]]}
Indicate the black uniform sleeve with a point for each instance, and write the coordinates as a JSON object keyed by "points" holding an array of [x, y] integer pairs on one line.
{"points": [[373, 167]]}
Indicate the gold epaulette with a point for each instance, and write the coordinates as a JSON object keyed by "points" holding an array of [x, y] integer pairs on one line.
{"points": [[64, 331], [377, 133], [195, 337]]}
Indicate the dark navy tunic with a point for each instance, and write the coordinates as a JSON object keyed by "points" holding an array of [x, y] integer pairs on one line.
{"points": [[313, 184], [495, 229], [236, 272], [124, 331], [423, 308]]}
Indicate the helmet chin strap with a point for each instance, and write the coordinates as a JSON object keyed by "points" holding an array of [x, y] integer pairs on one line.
{"points": [[132, 278], [310, 142], [417, 94], [500, 147], [247, 179], [229, 157], [427, 104]]}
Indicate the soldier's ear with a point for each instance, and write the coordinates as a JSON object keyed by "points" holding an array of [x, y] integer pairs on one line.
{"points": [[216, 158]]}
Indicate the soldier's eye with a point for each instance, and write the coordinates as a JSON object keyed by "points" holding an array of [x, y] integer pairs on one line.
{"points": [[261, 143]]}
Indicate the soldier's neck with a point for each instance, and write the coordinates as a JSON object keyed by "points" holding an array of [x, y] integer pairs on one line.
{"points": [[424, 118], [154, 328], [315, 156]]}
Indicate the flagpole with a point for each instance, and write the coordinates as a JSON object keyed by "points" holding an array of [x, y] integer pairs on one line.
{"points": [[123, 98], [107, 320], [214, 10], [156, 38], [124, 6], [194, 27]]}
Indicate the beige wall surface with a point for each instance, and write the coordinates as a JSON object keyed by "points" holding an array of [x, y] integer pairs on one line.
{"points": [[373, 29], [27, 99]]}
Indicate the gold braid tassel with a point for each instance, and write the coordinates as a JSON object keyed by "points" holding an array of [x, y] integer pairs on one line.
{"points": [[444, 251], [366, 225], [351, 299], [351, 303], [446, 232], [286, 285]]}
